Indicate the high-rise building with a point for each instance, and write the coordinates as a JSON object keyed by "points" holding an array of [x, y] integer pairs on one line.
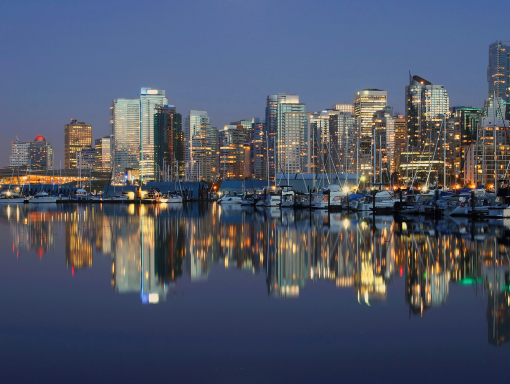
{"points": [[320, 144], [273, 124], [343, 152], [427, 109], [37, 154], [258, 153], [104, 154], [384, 144], [292, 155], [150, 99], [231, 139], [125, 120], [498, 71], [400, 140], [366, 103], [201, 142], [77, 136], [168, 143]]}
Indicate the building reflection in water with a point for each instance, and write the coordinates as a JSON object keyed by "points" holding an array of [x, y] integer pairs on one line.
{"points": [[152, 247]]}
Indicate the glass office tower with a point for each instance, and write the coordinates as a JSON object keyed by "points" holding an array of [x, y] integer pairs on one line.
{"points": [[150, 99], [77, 136], [498, 71], [366, 103], [125, 120]]}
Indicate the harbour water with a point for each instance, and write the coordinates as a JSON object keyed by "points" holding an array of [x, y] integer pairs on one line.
{"points": [[203, 293]]}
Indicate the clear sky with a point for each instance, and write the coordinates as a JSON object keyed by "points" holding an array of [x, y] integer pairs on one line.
{"points": [[68, 59]]}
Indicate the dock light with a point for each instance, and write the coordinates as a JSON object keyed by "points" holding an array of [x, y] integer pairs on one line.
{"points": [[346, 189], [362, 178]]}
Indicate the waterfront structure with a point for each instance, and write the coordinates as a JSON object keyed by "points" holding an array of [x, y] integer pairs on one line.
{"points": [[201, 147], [366, 103], [150, 99], [37, 154], [258, 154], [383, 144], [125, 121], [348, 108], [77, 136], [168, 143], [104, 154], [231, 139]]}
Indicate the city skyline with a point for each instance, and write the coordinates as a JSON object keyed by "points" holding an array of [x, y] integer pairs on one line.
{"points": [[58, 92]]}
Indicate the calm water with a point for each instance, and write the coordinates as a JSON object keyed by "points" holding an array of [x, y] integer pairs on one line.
{"points": [[210, 294]]}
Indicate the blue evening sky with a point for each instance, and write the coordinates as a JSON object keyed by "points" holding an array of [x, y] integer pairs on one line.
{"points": [[68, 59]]}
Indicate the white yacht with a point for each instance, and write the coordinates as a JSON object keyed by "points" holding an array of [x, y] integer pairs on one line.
{"points": [[42, 197], [287, 198], [334, 198], [171, 199], [81, 194]]}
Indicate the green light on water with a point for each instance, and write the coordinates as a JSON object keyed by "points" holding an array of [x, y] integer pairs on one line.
{"points": [[468, 281]]}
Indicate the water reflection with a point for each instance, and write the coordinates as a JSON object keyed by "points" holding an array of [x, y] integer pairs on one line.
{"points": [[152, 247]]}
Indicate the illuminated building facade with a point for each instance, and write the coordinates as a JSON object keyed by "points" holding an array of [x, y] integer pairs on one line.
{"points": [[77, 136], [347, 108], [231, 139], [150, 99], [125, 120], [104, 154], [168, 143]]}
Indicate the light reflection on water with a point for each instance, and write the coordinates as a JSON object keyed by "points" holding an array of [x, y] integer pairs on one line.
{"points": [[153, 247]]}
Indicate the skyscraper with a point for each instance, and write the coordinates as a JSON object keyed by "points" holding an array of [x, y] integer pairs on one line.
{"points": [[366, 103], [426, 106], [247, 124], [384, 143], [343, 132], [168, 143], [273, 124], [77, 136], [292, 155], [150, 99], [258, 154], [125, 120], [231, 139], [201, 142], [349, 108], [498, 71]]}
